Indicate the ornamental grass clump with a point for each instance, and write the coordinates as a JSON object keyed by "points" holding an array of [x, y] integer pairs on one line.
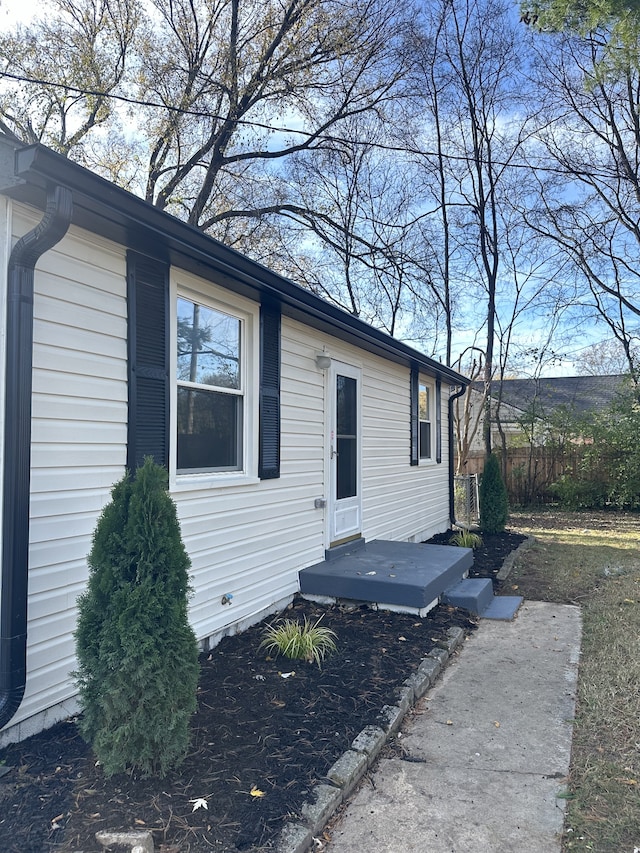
{"points": [[466, 539], [137, 654], [299, 641]]}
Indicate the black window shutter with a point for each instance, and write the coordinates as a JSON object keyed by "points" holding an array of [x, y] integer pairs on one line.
{"points": [[269, 430], [438, 421], [414, 391], [148, 331]]}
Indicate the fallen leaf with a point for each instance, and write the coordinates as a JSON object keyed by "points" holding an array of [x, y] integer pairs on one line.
{"points": [[449, 722], [371, 573], [139, 822], [57, 818], [496, 724], [199, 803], [286, 674], [402, 639], [256, 792]]}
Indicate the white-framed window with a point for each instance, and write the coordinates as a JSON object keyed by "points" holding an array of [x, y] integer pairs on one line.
{"points": [[425, 420], [210, 392], [215, 377]]}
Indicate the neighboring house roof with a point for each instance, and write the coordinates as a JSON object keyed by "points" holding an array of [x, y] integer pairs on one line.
{"points": [[114, 213], [578, 393]]}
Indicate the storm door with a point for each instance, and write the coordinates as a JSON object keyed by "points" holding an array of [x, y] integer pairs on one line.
{"points": [[345, 506]]}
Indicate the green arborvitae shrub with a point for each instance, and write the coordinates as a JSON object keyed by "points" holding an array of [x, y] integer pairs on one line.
{"points": [[494, 505], [137, 654]]}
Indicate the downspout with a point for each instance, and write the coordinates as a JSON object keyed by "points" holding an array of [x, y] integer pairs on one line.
{"points": [[452, 505], [17, 446]]}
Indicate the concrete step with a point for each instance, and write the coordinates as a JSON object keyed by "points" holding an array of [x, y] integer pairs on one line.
{"points": [[472, 594], [476, 596], [503, 607]]}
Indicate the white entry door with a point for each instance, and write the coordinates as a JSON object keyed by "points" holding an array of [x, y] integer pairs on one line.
{"points": [[345, 504]]}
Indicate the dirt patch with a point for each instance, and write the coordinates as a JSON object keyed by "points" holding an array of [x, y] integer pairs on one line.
{"points": [[551, 518]]}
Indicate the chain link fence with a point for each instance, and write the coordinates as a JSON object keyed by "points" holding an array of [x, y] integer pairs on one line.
{"points": [[466, 500]]}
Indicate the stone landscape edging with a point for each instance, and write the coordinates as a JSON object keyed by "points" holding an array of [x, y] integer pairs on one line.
{"points": [[511, 558], [343, 776]]}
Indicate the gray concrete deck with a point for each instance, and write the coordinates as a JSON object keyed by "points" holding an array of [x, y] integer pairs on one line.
{"points": [[402, 574]]}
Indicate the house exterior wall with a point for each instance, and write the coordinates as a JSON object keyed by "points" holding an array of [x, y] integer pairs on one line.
{"points": [[250, 540], [400, 502], [247, 538]]}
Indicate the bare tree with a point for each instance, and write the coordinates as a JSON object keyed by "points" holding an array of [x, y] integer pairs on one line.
{"points": [[467, 79], [590, 207], [358, 213], [220, 92], [83, 48], [604, 358], [237, 70]]}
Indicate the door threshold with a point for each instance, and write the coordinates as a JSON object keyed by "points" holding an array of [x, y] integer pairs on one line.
{"points": [[345, 546]]}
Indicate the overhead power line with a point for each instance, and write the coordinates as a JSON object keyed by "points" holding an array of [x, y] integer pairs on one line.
{"points": [[96, 93]]}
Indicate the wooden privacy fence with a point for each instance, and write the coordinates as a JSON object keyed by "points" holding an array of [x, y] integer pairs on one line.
{"points": [[531, 471]]}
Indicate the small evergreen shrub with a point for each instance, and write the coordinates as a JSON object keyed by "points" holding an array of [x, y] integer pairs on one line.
{"points": [[494, 505], [299, 641], [137, 654]]}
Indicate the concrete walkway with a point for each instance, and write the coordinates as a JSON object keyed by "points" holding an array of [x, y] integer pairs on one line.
{"points": [[485, 757]]}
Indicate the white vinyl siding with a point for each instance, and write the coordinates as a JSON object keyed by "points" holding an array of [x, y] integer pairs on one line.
{"points": [[400, 501], [79, 438]]}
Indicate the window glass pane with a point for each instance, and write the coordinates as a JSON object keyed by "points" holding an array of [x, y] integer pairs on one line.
{"points": [[423, 403], [347, 436], [347, 405], [209, 430], [425, 440], [424, 418], [346, 467], [208, 346]]}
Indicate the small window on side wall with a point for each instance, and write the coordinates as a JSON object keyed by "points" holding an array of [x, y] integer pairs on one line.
{"points": [[210, 392], [424, 421]]}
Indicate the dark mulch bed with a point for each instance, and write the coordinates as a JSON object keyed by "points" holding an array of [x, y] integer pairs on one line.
{"points": [[489, 557], [254, 732]]}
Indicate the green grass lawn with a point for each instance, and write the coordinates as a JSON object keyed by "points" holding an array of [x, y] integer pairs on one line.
{"points": [[593, 560]]}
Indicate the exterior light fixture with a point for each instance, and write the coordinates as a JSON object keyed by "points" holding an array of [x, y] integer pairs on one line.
{"points": [[323, 361]]}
